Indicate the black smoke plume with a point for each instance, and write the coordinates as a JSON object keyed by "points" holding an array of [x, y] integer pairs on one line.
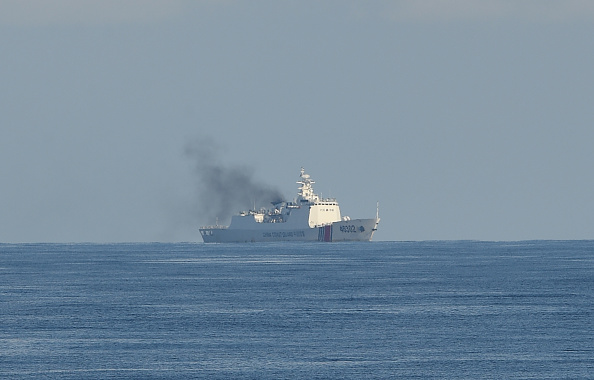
{"points": [[223, 190]]}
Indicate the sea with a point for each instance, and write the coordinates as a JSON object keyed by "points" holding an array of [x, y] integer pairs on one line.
{"points": [[375, 310]]}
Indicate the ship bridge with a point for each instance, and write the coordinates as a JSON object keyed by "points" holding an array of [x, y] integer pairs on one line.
{"points": [[322, 211]]}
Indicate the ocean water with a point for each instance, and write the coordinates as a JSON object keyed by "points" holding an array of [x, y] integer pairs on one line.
{"points": [[380, 310]]}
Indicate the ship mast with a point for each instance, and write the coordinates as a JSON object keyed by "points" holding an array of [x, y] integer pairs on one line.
{"points": [[306, 192]]}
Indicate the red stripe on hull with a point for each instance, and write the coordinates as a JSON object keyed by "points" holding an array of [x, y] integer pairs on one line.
{"points": [[328, 233]]}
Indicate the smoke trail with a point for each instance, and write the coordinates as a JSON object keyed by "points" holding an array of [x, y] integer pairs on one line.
{"points": [[224, 190]]}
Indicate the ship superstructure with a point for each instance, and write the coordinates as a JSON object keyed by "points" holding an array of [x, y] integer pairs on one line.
{"points": [[308, 217]]}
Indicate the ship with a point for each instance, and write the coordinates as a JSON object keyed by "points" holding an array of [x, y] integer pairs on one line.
{"points": [[308, 217]]}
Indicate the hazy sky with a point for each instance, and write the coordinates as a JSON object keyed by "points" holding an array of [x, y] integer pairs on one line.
{"points": [[465, 119]]}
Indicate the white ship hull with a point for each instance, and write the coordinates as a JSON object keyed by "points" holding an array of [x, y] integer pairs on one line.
{"points": [[351, 230], [308, 218]]}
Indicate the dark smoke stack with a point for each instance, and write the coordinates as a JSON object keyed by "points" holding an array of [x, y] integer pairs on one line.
{"points": [[225, 190]]}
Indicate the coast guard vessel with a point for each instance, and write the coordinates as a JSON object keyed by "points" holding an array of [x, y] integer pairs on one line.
{"points": [[307, 218]]}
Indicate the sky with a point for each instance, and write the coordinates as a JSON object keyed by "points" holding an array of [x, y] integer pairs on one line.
{"points": [[463, 119]]}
